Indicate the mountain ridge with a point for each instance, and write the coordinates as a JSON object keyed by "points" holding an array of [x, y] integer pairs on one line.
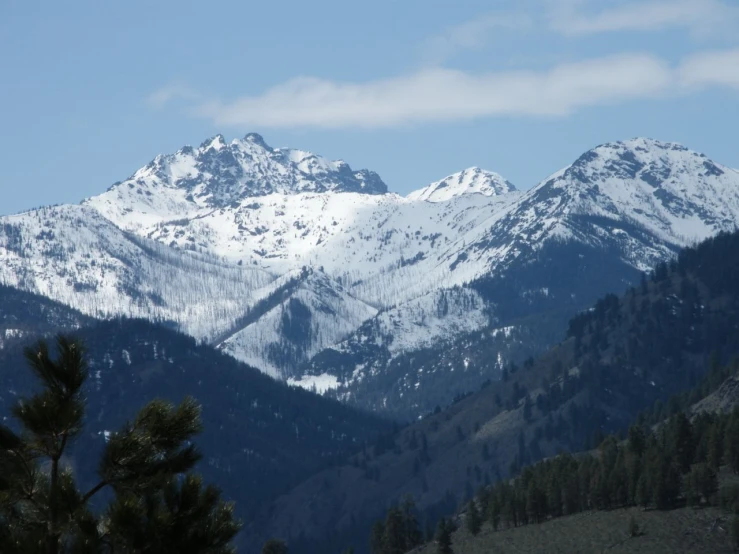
{"points": [[621, 356], [247, 218]]}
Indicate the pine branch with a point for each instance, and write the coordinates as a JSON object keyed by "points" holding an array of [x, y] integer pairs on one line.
{"points": [[94, 490]]}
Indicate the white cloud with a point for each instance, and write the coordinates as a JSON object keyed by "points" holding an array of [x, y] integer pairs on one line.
{"points": [[720, 68], [705, 17], [159, 98], [440, 94], [473, 34]]}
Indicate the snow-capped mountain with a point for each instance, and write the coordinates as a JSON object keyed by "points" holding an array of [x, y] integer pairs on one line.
{"points": [[195, 181], [281, 257], [587, 230], [472, 180]]}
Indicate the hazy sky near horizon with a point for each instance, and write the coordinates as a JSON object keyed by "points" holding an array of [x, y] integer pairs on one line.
{"points": [[415, 89]]}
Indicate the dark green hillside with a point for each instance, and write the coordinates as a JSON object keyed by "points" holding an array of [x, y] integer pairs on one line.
{"points": [[23, 314], [619, 358], [670, 487], [260, 436]]}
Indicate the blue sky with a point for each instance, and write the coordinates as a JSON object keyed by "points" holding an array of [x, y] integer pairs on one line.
{"points": [[414, 89]]}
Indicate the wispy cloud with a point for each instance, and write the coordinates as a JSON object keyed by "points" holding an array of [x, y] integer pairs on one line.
{"points": [[703, 17], [719, 68], [159, 98], [439, 94], [473, 35]]}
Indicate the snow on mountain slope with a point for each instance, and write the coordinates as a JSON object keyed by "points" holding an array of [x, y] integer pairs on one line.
{"points": [[262, 214], [74, 255], [195, 181], [679, 195], [470, 181], [316, 314], [384, 248], [427, 320], [282, 209], [552, 251], [644, 197]]}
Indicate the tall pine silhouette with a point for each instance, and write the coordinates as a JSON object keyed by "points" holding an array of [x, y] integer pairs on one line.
{"points": [[157, 504]]}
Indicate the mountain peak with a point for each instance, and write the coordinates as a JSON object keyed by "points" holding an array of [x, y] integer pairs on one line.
{"points": [[217, 174], [256, 138], [655, 162], [216, 143], [647, 143], [678, 194], [473, 180]]}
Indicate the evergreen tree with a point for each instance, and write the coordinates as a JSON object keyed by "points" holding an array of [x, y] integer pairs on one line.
{"points": [[715, 452], [411, 528], [702, 483], [473, 519], [681, 441], [637, 440], [394, 537], [157, 506], [535, 502], [731, 443], [494, 510], [444, 537], [377, 538]]}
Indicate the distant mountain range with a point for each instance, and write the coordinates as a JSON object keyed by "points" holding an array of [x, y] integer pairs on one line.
{"points": [[316, 274]]}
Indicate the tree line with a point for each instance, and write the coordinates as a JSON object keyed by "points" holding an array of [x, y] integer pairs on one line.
{"points": [[659, 469]]}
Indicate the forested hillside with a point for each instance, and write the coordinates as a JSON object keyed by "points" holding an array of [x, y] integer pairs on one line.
{"points": [[260, 436], [24, 314], [688, 459], [618, 359]]}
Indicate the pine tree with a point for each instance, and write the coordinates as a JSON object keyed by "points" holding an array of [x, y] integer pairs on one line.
{"points": [[412, 530], [444, 537], [681, 441], [702, 483], [535, 502], [715, 446], [637, 440], [394, 537], [473, 519], [377, 538], [643, 491], [494, 511], [731, 443], [157, 505]]}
